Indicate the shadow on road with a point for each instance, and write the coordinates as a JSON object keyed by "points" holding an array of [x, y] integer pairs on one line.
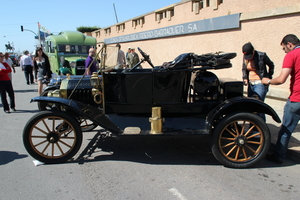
{"points": [[9, 156], [26, 111], [21, 111], [25, 91], [161, 150], [173, 150], [294, 142]]}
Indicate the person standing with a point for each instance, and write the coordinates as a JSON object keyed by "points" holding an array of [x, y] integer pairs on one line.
{"points": [[10, 63], [291, 116], [254, 70], [91, 64], [127, 57], [6, 86], [133, 59], [41, 62], [121, 62], [27, 66]]}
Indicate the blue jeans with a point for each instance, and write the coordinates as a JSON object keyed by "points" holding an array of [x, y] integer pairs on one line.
{"points": [[261, 91], [291, 116]]}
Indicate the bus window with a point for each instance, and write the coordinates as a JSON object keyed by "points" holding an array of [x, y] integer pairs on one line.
{"points": [[82, 48], [61, 48], [73, 49], [51, 47], [68, 49]]}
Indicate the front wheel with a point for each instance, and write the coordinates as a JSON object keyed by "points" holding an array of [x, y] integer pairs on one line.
{"points": [[52, 136], [241, 140]]}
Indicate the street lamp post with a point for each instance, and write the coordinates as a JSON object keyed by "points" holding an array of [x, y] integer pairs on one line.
{"points": [[23, 29]]}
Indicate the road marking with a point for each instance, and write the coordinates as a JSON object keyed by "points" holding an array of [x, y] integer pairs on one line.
{"points": [[176, 193]]}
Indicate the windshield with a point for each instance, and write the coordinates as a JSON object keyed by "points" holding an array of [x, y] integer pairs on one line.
{"points": [[73, 49]]}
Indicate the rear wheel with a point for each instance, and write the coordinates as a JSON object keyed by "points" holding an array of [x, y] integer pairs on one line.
{"points": [[241, 140], [52, 136]]}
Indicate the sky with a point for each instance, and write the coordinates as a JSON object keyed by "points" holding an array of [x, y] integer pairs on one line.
{"points": [[62, 15]]}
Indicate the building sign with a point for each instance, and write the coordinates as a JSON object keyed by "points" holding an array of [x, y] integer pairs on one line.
{"points": [[212, 24]]}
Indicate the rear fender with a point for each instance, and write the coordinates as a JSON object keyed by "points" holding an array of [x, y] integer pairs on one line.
{"points": [[92, 113], [239, 104]]}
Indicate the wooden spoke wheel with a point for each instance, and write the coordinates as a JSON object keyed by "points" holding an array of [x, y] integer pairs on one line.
{"points": [[241, 140], [52, 136]]}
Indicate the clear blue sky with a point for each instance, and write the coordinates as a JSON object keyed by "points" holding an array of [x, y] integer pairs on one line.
{"points": [[60, 15]]}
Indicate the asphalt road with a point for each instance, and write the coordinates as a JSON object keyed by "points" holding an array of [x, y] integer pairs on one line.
{"points": [[166, 168]]}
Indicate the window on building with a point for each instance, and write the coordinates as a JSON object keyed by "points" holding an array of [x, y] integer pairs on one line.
{"points": [[138, 22], [107, 31], [120, 27], [197, 6], [207, 3], [216, 3], [98, 34], [164, 14]]}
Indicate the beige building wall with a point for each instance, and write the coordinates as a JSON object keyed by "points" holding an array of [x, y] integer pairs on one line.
{"points": [[262, 22]]}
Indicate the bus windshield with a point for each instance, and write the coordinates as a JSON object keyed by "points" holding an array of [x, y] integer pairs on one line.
{"points": [[73, 49]]}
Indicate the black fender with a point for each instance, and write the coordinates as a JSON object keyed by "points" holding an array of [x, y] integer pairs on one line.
{"points": [[239, 104], [51, 87], [92, 113]]}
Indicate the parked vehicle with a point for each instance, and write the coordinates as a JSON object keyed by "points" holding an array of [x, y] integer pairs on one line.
{"points": [[67, 52], [180, 97], [14, 59]]}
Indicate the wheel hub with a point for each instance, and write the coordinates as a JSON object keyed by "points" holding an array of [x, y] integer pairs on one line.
{"points": [[240, 140], [52, 137]]}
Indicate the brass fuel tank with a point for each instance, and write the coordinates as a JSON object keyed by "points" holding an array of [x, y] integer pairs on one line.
{"points": [[156, 121]]}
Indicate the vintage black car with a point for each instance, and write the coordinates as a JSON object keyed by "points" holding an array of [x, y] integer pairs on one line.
{"points": [[180, 97]]}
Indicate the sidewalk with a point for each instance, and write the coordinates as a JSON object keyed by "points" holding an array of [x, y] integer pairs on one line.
{"points": [[294, 145]]}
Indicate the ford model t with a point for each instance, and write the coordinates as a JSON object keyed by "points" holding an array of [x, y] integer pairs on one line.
{"points": [[181, 97]]}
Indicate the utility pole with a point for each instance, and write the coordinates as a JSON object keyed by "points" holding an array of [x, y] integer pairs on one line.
{"points": [[115, 13], [38, 35]]}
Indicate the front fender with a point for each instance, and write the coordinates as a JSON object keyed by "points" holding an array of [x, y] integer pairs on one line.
{"points": [[51, 87], [92, 113], [240, 104]]}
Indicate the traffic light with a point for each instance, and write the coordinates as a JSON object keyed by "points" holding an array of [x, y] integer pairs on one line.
{"points": [[22, 28]]}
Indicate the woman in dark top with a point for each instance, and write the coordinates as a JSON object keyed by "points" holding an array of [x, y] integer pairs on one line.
{"points": [[41, 63]]}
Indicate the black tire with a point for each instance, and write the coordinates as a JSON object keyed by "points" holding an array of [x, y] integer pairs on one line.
{"points": [[52, 136], [44, 105], [235, 145]]}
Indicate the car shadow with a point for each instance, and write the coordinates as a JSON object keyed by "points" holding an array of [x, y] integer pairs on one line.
{"points": [[160, 150], [26, 111], [9, 156], [22, 111], [172, 150]]}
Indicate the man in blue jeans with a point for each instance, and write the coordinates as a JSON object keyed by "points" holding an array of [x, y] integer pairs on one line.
{"points": [[254, 69], [291, 66]]}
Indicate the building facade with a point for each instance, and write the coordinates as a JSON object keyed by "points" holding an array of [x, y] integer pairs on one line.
{"points": [[210, 26]]}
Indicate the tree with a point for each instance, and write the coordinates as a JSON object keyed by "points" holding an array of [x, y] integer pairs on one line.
{"points": [[84, 29]]}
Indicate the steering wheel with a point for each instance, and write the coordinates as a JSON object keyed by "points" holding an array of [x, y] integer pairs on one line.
{"points": [[146, 57]]}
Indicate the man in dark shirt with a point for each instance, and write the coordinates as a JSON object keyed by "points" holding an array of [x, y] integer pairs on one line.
{"points": [[90, 68]]}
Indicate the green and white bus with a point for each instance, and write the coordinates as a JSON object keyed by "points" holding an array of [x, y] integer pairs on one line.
{"points": [[67, 52]]}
